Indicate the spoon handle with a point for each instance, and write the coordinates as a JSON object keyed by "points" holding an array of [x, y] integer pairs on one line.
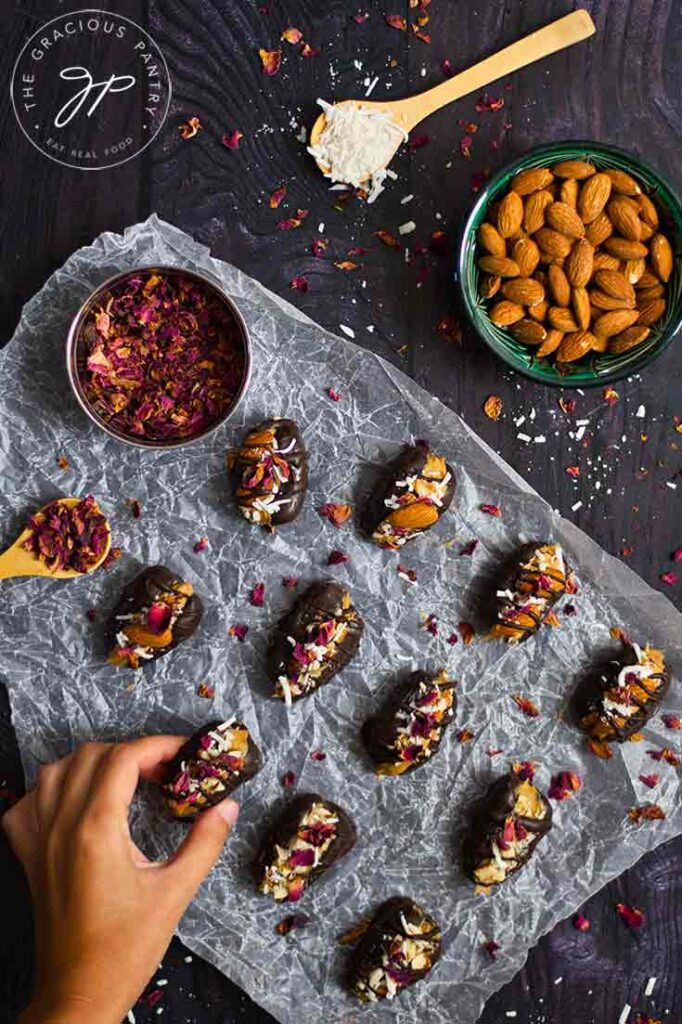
{"points": [[574, 28]]}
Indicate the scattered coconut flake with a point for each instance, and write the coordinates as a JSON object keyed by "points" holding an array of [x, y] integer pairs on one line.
{"points": [[650, 985], [524, 437], [407, 228], [576, 505], [406, 199], [348, 331], [540, 439], [130, 1017], [371, 86], [624, 1014], [641, 412]]}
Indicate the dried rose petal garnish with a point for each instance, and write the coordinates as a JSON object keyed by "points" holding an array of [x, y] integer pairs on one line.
{"points": [[337, 514], [467, 633], [257, 595], [667, 755], [299, 283], [206, 690], [527, 706], [170, 361], [200, 545], [334, 395], [290, 922], [396, 21], [492, 407], [672, 721], [491, 947], [406, 574], [388, 239], [292, 35], [289, 582], [239, 630], [567, 405], [277, 196], [646, 812], [633, 916], [113, 556], [651, 781], [492, 510], [135, 507], [610, 396], [573, 471], [449, 328], [677, 555], [318, 755], [292, 222], [68, 538], [670, 578], [452, 639], [464, 735], [337, 557], [271, 61], [431, 625], [564, 785], [581, 923], [288, 779], [318, 247], [91, 614], [62, 462], [360, 19], [525, 770], [468, 549], [188, 129]]}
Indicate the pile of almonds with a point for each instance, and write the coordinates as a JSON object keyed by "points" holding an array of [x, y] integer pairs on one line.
{"points": [[575, 261]]}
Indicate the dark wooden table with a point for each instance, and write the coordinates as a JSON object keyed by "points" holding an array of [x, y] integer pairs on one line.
{"points": [[624, 86]]}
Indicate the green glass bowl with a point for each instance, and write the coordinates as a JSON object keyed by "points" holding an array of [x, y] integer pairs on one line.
{"points": [[595, 369]]}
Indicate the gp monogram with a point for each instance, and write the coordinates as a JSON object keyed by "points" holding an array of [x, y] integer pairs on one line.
{"points": [[90, 89]]}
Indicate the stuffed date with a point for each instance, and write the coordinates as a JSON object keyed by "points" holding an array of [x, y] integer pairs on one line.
{"points": [[408, 731], [531, 585], [399, 948], [616, 701], [156, 612], [506, 825], [270, 473], [314, 641], [309, 837], [418, 490], [215, 760]]}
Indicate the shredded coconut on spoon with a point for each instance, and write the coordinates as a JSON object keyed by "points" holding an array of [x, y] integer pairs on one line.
{"points": [[356, 144]]}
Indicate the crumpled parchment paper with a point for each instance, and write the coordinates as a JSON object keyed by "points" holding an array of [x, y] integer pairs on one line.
{"points": [[63, 692]]}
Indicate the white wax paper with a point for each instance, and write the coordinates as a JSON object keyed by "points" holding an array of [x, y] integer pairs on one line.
{"points": [[63, 692]]}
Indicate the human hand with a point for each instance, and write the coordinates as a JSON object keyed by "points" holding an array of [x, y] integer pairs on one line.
{"points": [[104, 913]]}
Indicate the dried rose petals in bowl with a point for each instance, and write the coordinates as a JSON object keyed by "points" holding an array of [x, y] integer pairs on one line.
{"points": [[66, 536], [158, 357]]}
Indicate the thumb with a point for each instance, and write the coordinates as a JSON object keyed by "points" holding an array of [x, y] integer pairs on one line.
{"points": [[200, 850]]}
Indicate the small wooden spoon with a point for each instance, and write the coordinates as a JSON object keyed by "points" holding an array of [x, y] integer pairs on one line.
{"points": [[17, 561], [408, 113]]}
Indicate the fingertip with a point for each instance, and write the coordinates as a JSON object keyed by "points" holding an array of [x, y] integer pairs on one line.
{"points": [[228, 810]]}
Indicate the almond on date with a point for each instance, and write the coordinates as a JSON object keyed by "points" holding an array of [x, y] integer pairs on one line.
{"points": [[574, 169], [417, 516], [615, 322], [531, 180], [505, 313], [510, 215], [523, 290], [628, 339], [622, 182], [574, 346], [529, 332], [491, 240], [499, 266], [662, 257], [580, 263]]}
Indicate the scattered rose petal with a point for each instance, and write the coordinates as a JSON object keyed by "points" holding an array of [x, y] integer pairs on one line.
{"points": [[334, 395], [479, 179], [610, 396], [467, 633], [464, 735], [417, 142], [424, 37], [492, 407], [469, 548], [449, 328], [563, 785], [616, 633], [453, 639], [200, 545], [288, 779], [600, 748], [447, 68], [239, 630], [573, 471], [206, 690], [360, 19], [431, 625], [676, 555], [525, 770], [337, 557], [581, 923], [527, 706], [633, 917], [188, 129], [113, 556], [271, 61], [396, 21], [646, 812], [667, 755], [672, 721], [357, 250], [231, 139], [318, 755], [492, 510], [649, 780], [670, 578], [291, 922], [489, 103], [388, 239], [289, 582], [551, 620], [571, 584], [154, 997], [310, 51], [62, 462], [257, 595], [292, 222], [465, 144], [407, 574], [438, 242], [567, 405], [318, 247], [292, 35], [91, 614], [491, 947], [277, 196], [337, 514], [135, 507], [626, 551], [570, 610], [299, 284], [494, 751]]}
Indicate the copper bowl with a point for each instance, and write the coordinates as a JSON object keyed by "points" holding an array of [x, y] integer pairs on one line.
{"points": [[76, 354]]}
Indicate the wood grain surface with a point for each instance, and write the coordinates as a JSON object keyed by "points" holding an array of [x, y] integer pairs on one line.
{"points": [[624, 86]]}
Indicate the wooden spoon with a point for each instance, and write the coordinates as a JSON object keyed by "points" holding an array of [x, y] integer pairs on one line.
{"points": [[408, 113], [17, 561]]}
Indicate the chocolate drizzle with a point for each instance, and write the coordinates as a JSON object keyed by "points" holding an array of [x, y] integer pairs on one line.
{"points": [[532, 583], [614, 703]]}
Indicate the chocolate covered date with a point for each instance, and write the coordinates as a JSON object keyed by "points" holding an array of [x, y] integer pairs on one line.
{"points": [[418, 489], [270, 473], [399, 948], [619, 698], [309, 836], [530, 585], [156, 612], [314, 641], [213, 762], [506, 825], [408, 731]]}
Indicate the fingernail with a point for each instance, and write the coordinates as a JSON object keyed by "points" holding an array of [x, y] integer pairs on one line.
{"points": [[229, 810]]}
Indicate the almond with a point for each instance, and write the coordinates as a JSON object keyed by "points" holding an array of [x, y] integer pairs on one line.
{"points": [[602, 261], [553, 243], [615, 284], [143, 637], [568, 193], [624, 215], [510, 215], [647, 211], [529, 332], [573, 169], [531, 180], [647, 280], [580, 263], [633, 270], [534, 211], [527, 255], [539, 311], [599, 230], [652, 312], [550, 344], [662, 257], [574, 346], [625, 248], [417, 516], [623, 183], [644, 295], [602, 301], [505, 313], [523, 290], [600, 344], [580, 301], [490, 239], [646, 231], [489, 285], [628, 339], [593, 197], [615, 322], [499, 266], [564, 219], [559, 285], [562, 319]]}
